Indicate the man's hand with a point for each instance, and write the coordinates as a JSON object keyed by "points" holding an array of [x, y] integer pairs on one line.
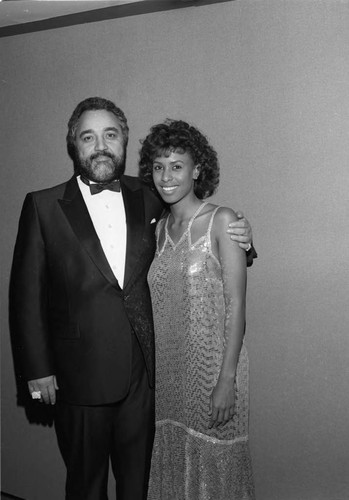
{"points": [[46, 387], [241, 231]]}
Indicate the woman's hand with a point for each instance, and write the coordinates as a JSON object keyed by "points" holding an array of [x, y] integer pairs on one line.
{"points": [[222, 403]]}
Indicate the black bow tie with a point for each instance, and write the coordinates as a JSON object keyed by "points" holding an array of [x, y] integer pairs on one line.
{"points": [[98, 188]]}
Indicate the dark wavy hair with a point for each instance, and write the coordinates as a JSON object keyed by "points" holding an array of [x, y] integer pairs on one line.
{"points": [[93, 104], [179, 136]]}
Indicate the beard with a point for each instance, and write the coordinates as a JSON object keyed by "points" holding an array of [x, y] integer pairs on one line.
{"points": [[100, 167]]}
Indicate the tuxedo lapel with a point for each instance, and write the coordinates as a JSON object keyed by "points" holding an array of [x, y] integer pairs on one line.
{"points": [[134, 209], [76, 212]]}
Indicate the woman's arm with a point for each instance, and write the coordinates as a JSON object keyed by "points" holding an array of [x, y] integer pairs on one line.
{"points": [[233, 262]]}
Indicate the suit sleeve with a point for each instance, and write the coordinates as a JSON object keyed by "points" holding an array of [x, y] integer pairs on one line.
{"points": [[250, 255], [28, 296]]}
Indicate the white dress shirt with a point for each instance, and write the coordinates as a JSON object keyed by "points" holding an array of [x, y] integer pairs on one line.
{"points": [[107, 213]]}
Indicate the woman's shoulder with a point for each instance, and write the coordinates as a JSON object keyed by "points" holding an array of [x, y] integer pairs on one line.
{"points": [[222, 215]]}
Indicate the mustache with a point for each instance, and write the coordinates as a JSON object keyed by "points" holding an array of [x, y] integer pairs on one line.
{"points": [[95, 156]]}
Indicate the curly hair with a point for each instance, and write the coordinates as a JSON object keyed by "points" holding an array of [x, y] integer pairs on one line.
{"points": [[178, 136], [93, 104]]}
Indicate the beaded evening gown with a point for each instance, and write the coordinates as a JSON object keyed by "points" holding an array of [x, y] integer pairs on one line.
{"points": [[191, 461]]}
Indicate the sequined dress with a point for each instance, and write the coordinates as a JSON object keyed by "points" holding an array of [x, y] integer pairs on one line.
{"points": [[191, 461]]}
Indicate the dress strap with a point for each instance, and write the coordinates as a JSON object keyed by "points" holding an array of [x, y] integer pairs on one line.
{"points": [[211, 219], [210, 224], [203, 204], [166, 224], [159, 229]]}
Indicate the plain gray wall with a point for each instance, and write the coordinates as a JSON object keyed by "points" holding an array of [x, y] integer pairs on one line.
{"points": [[268, 82]]}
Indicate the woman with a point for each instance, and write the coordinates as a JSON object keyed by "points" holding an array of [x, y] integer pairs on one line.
{"points": [[198, 287]]}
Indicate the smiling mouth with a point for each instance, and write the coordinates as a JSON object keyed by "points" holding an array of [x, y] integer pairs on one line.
{"points": [[168, 189]]}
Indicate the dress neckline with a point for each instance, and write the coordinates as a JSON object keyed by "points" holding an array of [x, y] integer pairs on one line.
{"points": [[174, 245]]}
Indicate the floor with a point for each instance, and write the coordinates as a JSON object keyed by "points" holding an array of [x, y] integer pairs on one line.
{"points": [[4, 496]]}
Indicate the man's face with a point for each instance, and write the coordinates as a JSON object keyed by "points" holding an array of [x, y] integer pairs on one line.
{"points": [[100, 146]]}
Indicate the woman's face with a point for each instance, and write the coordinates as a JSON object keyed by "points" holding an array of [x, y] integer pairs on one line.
{"points": [[174, 176]]}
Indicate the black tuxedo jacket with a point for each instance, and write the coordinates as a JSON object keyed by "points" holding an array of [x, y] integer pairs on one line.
{"points": [[70, 316]]}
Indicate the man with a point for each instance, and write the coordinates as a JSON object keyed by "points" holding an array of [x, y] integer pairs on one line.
{"points": [[81, 307]]}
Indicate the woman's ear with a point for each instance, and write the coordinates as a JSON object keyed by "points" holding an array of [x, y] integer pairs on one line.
{"points": [[196, 172]]}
